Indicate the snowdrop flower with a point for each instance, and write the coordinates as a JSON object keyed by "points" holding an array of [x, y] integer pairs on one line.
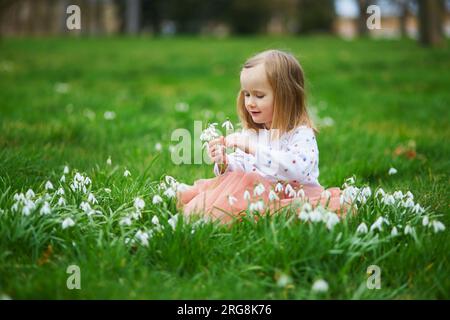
{"points": [[108, 161], [283, 280], [173, 221], [303, 215], [61, 202], [409, 195], [48, 186], [279, 187], [66, 170], [15, 207], [307, 207], [257, 206], [380, 191], [80, 183], [28, 207], [289, 191], [409, 230], [30, 194], [437, 226], [157, 199], [292, 193], [398, 195], [63, 178], [26, 211], [85, 207], [247, 195], [394, 231], [417, 209], [349, 194], [170, 180], [227, 125], [19, 197], [409, 203], [392, 171], [125, 221], [362, 228], [126, 173], [142, 237], [259, 190], [231, 200], [46, 197], [320, 286], [139, 203], [92, 199], [60, 192], [109, 115], [170, 193], [68, 222], [366, 192], [209, 133], [162, 186], [388, 199], [158, 146], [136, 215], [273, 196], [315, 215], [45, 209], [301, 193], [378, 224], [155, 220], [341, 199], [425, 221], [332, 220]]}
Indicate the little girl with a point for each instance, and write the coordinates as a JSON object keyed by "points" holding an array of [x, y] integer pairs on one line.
{"points": [[276, 159]]}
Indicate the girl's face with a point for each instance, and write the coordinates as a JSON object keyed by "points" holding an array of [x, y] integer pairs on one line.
{"points": [[258, 94]]}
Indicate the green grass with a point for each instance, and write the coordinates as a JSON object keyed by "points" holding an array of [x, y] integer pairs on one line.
{"points": [[380, 94]]}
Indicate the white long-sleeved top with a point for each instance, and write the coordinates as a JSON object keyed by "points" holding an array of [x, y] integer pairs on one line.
{"points": [[294, 157]]}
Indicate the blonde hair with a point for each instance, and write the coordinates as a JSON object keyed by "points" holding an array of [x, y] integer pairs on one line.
{"points": [[285, 76]]}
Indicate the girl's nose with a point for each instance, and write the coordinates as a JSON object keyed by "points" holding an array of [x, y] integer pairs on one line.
{"points": [[251, 102]]}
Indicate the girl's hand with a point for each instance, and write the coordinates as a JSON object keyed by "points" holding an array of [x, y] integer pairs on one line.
{"points": [[216, 150], [240, 141]]}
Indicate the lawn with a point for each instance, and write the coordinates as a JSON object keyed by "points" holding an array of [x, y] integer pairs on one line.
{"points": [[77, 102]]}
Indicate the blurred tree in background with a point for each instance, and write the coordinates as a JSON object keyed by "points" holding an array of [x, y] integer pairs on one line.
{"points": [[316, 16], [426, 20], [431, 16]]}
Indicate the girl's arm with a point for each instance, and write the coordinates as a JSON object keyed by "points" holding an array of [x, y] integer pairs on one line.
{"points": [[297, 161]]}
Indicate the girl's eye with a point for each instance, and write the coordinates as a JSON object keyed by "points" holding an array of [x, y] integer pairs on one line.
{"points": [[260, 97]]}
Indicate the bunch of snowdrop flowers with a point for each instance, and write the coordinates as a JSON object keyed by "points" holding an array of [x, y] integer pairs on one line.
{"points": [[169, 188], [52, 200], [317, 215], [24, 203], [211, 132], [379, 212], [406, 211], [80, 183]]}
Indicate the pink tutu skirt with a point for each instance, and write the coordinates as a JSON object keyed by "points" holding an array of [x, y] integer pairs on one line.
{"points": [[222, 198]]}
